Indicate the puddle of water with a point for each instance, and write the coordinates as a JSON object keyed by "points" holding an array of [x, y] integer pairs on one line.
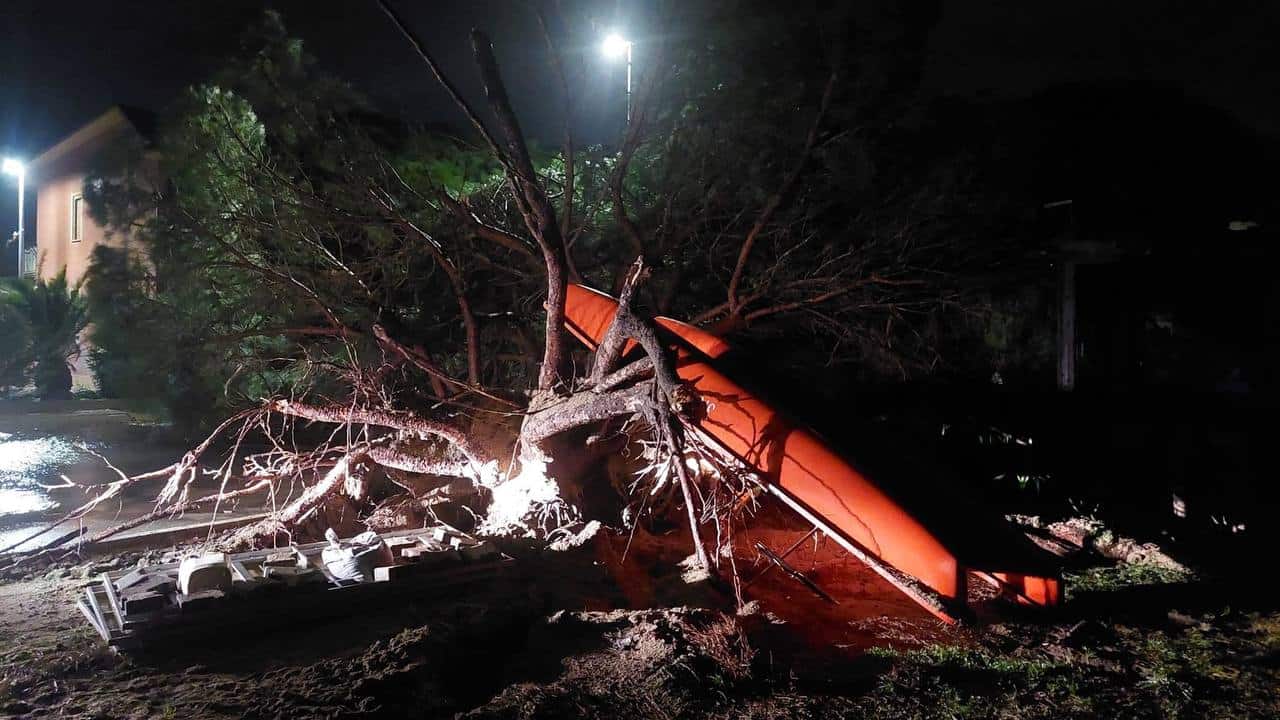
{"points": [[26, 465], [21, 502], [38, 449]]}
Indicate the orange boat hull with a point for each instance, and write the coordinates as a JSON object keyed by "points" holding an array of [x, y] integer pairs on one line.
{"points": [[812, 478]]}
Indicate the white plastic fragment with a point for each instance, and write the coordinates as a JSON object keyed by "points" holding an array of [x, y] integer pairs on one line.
{"points": [[204, 572]]}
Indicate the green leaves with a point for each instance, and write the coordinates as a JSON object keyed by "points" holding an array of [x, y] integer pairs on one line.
{"points": [[41, 323]]}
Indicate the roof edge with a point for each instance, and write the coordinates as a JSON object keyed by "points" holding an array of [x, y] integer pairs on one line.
{"points": [[113, 120]]}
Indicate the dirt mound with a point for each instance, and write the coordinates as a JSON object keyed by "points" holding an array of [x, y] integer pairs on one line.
{"points": [[652, 663], [492, 663], [428, 671]]}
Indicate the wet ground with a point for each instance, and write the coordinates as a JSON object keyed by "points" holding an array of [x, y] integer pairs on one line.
{"points": [[46, 467]]}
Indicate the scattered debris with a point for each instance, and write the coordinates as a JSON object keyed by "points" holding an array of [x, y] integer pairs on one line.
{"points": [[1079, 534], [209, 591], [354, 560]]}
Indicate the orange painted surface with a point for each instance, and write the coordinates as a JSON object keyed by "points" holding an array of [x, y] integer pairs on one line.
{"points": [[799, 462]]}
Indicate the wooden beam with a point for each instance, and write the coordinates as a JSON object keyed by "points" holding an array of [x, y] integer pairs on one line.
{"points": [[89, 615], [116, 608]]}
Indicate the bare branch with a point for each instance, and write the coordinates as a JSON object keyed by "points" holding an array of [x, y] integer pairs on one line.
{"points": [[444, 81], [584, 409], [407, 422], [483, 230], [776, 200], [540, 217], [557, 66]]}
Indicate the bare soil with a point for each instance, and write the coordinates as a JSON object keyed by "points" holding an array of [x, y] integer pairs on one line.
{"points": [[583, 634]]}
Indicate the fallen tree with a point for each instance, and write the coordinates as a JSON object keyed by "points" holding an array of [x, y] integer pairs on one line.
{"points": [[289, 207]]}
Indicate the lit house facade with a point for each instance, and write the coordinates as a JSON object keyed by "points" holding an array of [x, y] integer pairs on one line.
{"points": [[66, 235]]}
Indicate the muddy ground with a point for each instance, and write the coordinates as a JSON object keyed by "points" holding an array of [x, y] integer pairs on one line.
{"points": [[568, 635]]}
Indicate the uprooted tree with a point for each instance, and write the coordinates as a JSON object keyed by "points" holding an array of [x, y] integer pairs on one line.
{"points": [[406, 290]]}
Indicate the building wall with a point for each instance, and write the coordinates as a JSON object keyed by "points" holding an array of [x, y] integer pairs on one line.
{"points": [[56, 248], [59, 177], [58, 174]]}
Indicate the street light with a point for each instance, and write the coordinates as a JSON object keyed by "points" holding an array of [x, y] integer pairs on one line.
{"points": [[18, 170], [615, 46]]}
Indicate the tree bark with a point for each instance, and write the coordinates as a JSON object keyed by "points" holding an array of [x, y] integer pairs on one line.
{"points": [[342, 415], [535, 207], [583, 409]]}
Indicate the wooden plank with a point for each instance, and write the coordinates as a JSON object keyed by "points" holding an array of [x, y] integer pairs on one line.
{"points": [[94, 605], [93, 621], [171, 535], [240, 570], [109, 586]]}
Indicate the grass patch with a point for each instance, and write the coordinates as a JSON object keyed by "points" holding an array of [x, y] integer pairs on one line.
{"points": [[1123, 575], [1224, 666], [955, 657], [943, 681]]}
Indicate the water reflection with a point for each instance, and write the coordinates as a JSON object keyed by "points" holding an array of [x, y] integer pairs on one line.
{"points": [[20, 502], [25, 465]]}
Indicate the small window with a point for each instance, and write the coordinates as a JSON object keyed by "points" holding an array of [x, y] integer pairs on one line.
{"points": [[77, 213]]}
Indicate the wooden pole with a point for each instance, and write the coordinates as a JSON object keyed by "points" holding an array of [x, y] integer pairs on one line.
{"points": [[1067, 327]]}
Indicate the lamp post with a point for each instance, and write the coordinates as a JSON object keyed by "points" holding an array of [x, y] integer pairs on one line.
{"points": [[16, 168], [615, 46]]}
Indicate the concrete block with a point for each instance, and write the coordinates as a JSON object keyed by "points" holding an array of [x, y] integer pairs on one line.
{"points": [[391, 573], [191, 602], [479, 553], [284, 558], [161, 584], [133, 577], [439, 558], [425, 565], [292, 575], [144, 602]]}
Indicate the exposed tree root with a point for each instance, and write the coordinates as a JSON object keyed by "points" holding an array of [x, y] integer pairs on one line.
{"points": [[347, 477]]}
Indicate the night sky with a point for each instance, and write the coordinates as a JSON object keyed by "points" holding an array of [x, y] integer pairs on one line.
{"points": [[63, 63]]}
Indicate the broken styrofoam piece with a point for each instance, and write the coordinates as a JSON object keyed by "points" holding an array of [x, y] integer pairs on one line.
{"points": [[407, 548], [206, 572]]}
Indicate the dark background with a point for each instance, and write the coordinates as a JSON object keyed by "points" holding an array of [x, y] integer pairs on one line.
{"points": [[1159, 120], [1154, 117], [61, 64]]}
